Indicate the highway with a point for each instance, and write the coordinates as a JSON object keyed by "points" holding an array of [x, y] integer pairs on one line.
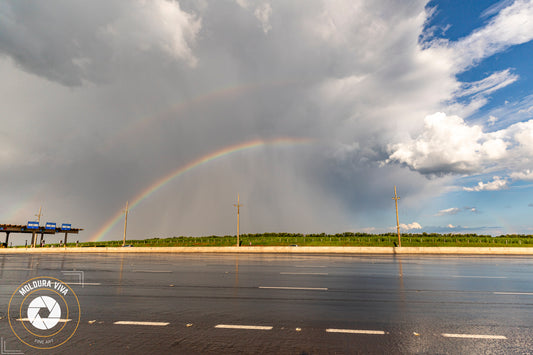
{"points": [[285, 304]]}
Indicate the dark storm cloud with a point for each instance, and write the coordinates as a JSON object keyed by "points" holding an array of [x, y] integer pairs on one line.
{"points": [[111, 96]]}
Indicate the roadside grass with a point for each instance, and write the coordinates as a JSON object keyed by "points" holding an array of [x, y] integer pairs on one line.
{"points": [[344, 239]]}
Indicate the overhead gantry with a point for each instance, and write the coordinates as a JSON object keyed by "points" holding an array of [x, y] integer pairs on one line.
{"points": [[35, 229]]}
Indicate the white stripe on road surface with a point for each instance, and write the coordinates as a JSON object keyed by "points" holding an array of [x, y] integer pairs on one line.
{"points": [[309, 266], [356, 331], [156, 271], [514, 293], [474, 336], [295, 288], [480, 277], [84, 283], [252, 327], [303, 273], [125, 322]]}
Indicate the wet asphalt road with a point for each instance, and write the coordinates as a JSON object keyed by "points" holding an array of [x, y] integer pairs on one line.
{"points": [[383, 304]]}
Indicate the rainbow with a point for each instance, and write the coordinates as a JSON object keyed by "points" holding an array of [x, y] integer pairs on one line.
{"points": [[183, 169], [140, 125]]}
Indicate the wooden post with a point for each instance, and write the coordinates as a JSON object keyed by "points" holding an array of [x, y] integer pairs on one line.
{"points": [[66, 236], [396, 198], [238, 205]]}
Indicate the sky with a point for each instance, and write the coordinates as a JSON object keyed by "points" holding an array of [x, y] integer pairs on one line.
{"points": [[311, 111]]}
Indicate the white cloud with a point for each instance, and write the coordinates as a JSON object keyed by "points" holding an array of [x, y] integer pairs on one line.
{"points": [[448, 145], [511, 26], [450, 226], [410, 226], [495, 185], [182, 80], [448, 211], [488, 85], [492, 120], [243, 3], [157, 24], [526, 110], [526, 175], [263, 13], [75, 41]]}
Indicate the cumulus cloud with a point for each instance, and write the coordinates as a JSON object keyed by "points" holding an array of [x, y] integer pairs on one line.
{"points": [[526, 175], [495, 185], [159, 84], [263, 13], [448, 211], [449, 145], [410, 226], [75, 41]]}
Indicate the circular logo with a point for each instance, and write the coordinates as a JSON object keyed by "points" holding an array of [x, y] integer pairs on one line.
{"points": [[44, 312], [40, 305]]}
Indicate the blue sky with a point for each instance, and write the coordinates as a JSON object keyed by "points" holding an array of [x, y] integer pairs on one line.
{"points": [[506, 210], [102, 99]]}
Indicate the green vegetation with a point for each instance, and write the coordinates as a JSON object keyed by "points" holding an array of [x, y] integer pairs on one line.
{"points": [[342, 239]]}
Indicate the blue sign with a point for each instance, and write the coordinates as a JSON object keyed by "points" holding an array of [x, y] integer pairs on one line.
{"points": [[33, 225], [50, 225], [66, 226]]}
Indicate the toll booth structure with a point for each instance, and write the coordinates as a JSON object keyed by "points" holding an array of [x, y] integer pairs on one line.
{"points": [[34, 230]]}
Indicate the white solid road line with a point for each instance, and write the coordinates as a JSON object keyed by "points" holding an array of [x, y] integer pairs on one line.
{"points": [[157, 324], [84, 283], [473, 336], [295, 288], [155, 271], [356, 331], [514, 293], [303, 273], [252, 327]]}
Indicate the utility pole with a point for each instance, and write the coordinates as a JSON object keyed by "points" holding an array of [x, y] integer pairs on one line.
{"points": [[396, 198], [34, 236], [125, 223], [39, 215], [238, 205]]}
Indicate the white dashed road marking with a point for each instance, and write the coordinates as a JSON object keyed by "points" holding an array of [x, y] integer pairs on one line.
{"points": [[479, 277], [303, 273], [474, 336], [356, 331], [157, 324], [295, 288], [248, 327]]}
